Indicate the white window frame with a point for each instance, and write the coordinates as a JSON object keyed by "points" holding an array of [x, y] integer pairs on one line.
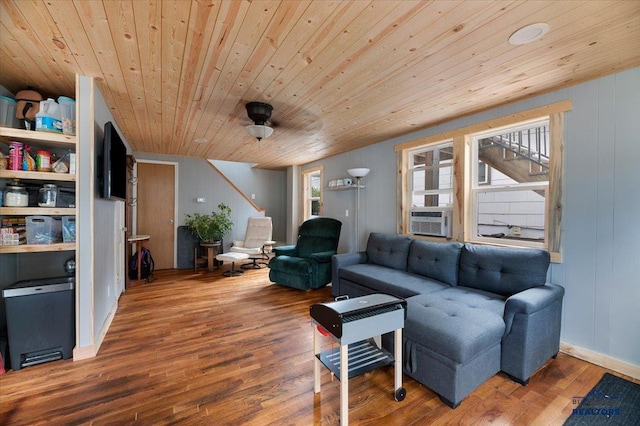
{"points": [[307, 196], [412, 169], [478, 187], [463, 176]]}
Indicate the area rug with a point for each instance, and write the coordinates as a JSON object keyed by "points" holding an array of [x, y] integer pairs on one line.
{"points": [[612, 401]]}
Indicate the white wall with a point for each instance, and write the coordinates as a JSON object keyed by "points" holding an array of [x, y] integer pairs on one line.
{"points": [[268, 187], [197, 179], [600, 271], [97, 288], [107, 233]]}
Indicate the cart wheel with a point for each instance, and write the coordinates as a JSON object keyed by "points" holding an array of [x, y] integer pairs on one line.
{"points": [[400, 394]]}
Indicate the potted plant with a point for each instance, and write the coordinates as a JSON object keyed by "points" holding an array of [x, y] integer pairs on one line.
{"points": [[210, 228]]}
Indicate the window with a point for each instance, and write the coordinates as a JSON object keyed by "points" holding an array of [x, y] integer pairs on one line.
{"points": [[430, 189], [497, 182], [431, 176], [512, 206], [312, 193]]}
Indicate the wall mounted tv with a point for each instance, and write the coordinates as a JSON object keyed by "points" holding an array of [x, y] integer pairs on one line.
{"points": [[114, 165]]}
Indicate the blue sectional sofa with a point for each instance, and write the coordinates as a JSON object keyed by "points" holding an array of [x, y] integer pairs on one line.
{"points": [[472, 310]]}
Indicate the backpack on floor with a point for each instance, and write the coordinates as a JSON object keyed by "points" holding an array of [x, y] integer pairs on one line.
{"points": [[148, 265]]}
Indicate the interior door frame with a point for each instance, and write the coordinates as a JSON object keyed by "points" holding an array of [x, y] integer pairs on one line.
{"points": [[176, 197]]}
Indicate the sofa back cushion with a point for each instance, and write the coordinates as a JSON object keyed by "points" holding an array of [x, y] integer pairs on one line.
{"points": [[438, 261], [388, 250], [502, 270]]}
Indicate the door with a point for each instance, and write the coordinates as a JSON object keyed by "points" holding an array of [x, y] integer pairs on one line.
{"points": [[156, 209]]}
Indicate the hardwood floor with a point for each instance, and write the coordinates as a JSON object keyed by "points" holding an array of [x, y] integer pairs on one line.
{"points": [[205, 349]]}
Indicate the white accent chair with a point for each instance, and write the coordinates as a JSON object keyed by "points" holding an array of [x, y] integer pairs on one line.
{"points": [[257, 242]]}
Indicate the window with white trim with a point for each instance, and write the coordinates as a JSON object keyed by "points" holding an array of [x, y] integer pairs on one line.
{"points": [[491, 200], [312, 193], [430, 187], [431, 176], [512, 205]]}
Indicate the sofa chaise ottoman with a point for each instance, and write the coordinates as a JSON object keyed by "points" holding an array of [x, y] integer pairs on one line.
{"points": [[472, 310]]}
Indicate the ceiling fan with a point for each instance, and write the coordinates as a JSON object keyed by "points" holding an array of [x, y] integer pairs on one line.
{"points": [[259, 113], [299, 120]]}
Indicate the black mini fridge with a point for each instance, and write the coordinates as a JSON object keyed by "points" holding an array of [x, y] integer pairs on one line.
{"points": [[40, 320]]}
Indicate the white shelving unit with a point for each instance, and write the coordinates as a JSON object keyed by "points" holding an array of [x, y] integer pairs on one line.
{"points": [[344, 187]]}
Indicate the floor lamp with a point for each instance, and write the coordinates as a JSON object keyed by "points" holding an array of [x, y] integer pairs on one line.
{"points": [[358, 173]]}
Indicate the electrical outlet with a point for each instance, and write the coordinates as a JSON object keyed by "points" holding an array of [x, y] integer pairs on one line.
{"points": [[516, 230], [346, 213], [253, 196]]}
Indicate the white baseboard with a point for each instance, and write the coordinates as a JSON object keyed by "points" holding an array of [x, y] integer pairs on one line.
{"points": [[84, 352], [602, 360], [106, 325], [92, 350]]}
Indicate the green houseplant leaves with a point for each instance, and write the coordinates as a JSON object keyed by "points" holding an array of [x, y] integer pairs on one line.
{"points": [[210, 228]]}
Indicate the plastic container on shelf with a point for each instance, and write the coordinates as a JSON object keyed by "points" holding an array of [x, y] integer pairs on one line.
{"points": [[68, 115], [44, 230], [7, 112], [68, 229], [48, 117]]}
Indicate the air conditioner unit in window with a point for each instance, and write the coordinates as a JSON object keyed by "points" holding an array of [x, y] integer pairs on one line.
{"points": [[430, 221]]}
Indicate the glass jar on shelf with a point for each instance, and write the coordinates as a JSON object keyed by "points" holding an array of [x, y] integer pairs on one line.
{"points": [[47, 195], [15, 195]]}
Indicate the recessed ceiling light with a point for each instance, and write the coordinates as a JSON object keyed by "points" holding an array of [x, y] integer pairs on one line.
{"points": [[200, 140], [529, 33]]}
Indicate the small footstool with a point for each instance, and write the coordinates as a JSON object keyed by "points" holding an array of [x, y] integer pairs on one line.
{"points": [[232, 257]]}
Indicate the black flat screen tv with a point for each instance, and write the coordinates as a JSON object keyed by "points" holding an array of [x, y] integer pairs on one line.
{"points": [[114, 165]]}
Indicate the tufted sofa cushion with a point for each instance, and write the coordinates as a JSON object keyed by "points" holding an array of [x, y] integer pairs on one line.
{"points": [[502, 270], [388, 250], [456, 323], [435, 260], [391, 281]]}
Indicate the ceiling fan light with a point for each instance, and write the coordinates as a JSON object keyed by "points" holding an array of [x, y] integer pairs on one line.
{"points": [[259, 131]]}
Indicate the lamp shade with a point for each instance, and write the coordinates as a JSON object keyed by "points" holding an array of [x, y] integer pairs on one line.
{"points": [[358, 172], [259, 131]]}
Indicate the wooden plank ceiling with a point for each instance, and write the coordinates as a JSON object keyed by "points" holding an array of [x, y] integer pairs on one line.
{"points": [[339, 74]]}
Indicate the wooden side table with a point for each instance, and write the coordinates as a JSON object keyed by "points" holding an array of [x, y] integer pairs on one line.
{"points": [[213, 249], [137, 240]]}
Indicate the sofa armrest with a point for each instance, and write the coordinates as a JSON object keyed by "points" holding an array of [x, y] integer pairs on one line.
{"points": [[285, 251], [346, 259], [532, 334], [530, 301], [340, 261]]}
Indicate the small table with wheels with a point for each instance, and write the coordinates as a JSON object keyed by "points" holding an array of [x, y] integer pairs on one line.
{"points": [[354, 323]]}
